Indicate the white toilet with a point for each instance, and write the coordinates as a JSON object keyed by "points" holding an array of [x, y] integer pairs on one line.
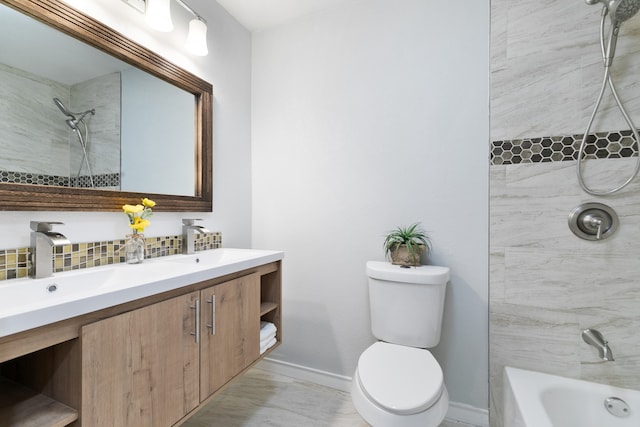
{"points": [[398, 383]]}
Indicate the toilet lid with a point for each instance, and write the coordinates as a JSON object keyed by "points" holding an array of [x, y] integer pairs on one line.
{"points": [[403, 380]]}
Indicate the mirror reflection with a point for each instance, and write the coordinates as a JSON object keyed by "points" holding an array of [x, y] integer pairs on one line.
{"points": [[73, 116]]}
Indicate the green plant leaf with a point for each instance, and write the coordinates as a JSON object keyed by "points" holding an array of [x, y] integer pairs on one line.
{"points": [[412, 236]]}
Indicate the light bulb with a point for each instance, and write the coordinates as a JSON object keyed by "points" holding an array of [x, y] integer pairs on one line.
{"points": [[158, 15], [197, 38]]}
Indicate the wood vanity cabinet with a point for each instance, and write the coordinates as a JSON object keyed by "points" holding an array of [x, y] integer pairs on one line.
{"points": [[149, 367], [231, 334], [141, 368], [150, 362]]}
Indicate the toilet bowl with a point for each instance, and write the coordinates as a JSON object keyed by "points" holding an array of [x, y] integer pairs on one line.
{"points": [[399, 386], [398, 382]]}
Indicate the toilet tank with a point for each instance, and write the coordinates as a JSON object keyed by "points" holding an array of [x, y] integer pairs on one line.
{"points": [[407, 303]]}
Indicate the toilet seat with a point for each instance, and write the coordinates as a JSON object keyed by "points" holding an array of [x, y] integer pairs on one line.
{"points": [[402, 380]]}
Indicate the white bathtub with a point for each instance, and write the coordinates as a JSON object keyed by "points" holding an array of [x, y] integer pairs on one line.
{"points": [[534, 399]]}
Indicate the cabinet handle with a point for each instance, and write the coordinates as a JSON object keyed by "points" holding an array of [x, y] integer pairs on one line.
{"points": [[196, 307], [212, 326]]}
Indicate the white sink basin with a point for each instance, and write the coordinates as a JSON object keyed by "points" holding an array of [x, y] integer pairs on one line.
{"points": [[215, 257], [29, 303], [17, 294]]}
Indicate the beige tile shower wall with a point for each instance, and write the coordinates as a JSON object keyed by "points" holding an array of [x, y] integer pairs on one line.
{"points": [[31, 124], [546, 68], [546, 285], [103, 148], [35, 128]]}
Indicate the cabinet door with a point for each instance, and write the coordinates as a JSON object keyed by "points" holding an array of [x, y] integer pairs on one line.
{"points": [[141, 368], [232, 341]]}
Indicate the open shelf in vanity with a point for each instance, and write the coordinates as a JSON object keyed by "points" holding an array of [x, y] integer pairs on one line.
{"points": [[37, 389], [270, 298], [21, 406], [267, 307]]}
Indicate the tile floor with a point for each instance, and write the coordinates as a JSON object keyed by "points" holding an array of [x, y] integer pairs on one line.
{"points": [[261, 398]]}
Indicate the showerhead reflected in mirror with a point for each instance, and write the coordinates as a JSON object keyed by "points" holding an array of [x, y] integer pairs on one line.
{"points": [[78, 125]]}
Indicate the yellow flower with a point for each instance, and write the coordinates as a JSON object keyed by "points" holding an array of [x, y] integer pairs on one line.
{"points": [[148, 202], [139, 224], [138, 214], [130, 209]]}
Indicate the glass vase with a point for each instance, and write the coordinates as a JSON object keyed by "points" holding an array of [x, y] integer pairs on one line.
{"points": [[134, 248]]}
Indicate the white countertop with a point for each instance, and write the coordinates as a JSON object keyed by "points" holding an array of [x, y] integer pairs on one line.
{"points": [[30, 303]]}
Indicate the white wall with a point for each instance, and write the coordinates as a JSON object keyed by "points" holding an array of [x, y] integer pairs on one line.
{"points": [[367, 117], [228, 68]]}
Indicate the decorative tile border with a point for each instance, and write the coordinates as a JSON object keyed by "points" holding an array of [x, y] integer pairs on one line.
{"points": [[602, 145], [100, 181], [15, 263]]}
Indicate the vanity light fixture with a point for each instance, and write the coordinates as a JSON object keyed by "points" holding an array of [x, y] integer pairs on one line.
{"points": [[197, 37], [158, 16]]}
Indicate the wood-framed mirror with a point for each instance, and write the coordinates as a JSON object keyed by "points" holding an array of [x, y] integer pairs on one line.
{"points": [[29, 197]]}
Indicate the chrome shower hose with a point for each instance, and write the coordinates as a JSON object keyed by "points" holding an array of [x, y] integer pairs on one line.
{"points": [[607, 81]]}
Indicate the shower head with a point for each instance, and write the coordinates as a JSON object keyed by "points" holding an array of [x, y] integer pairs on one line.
{"points": [[72, 121], [62, 108], [621, 10], [618, 10]]}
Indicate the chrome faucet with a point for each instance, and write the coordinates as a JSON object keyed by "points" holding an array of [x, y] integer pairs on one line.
{"points": [[189, 229], [43, 240], [594, 337]]}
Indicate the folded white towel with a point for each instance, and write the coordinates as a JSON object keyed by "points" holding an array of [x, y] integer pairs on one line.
{"points": [[268, 345], [267, 329], [267, 338]]}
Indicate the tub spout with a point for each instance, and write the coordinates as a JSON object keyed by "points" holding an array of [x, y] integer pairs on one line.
{"points": [[594, 338]]}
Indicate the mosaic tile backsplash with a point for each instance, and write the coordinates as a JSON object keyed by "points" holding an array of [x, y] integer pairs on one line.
{"points": [[601, 145], [15, 263]]}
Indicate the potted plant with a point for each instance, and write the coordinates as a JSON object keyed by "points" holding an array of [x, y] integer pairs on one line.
{"points": [[405, 245]]}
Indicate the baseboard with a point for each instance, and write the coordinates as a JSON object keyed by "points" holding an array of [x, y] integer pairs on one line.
{"points": [[458, 412], [467, 414], [304, 373]]}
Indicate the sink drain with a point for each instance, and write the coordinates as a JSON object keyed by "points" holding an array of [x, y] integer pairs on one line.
{"points": [[617, 407]]}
